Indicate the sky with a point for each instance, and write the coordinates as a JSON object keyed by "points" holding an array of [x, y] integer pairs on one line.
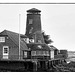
{"points": [[57, 20]]}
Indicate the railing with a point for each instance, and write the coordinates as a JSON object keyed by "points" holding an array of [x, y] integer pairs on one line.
{"points": [[40, 57], [59, 56], [16, 57], [12, 57]]}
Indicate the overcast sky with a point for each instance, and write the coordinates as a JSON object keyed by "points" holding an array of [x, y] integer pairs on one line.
{"points": [[57, 20]]}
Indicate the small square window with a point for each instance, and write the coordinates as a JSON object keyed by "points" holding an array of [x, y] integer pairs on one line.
{"points": [[39, 41], [30, 21], [2, 39], [33, 53]]}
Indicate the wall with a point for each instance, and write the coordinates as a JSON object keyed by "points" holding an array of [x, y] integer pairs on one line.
{"points": [[13, 49]]}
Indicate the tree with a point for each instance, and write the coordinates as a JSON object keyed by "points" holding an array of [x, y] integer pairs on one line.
{"points": [[47, 38]]}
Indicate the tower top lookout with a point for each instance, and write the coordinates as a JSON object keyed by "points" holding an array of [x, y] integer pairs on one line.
{"points": [[33, 10]]}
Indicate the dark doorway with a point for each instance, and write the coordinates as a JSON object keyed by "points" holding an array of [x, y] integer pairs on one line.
{"points": [[42, 66], [29, 66]]}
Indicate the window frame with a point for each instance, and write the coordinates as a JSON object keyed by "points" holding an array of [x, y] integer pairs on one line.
{"points": [[33, 53], [40, 53], [6, 54], [7, 51], [25, 55], [2, 39], [30, 21], [31, 40]]}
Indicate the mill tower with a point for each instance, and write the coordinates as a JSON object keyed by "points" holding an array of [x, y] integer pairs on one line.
{"points": [[33, 25]]}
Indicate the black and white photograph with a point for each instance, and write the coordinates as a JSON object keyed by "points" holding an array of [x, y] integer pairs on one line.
{"points": [[37, 37]]}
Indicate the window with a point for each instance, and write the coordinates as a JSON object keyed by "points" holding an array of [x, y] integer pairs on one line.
{"points": [[47, 53], [30, 21], [5, 52], [5, 49], [25, 54], [42, 53], [39, 41], [31, 40], [30, 31], [52, 54], [39, 53], [26, 40], [2, 39], [33, 53]]}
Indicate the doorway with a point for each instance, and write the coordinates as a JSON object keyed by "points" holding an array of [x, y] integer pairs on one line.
{"points": [[42, 65]]}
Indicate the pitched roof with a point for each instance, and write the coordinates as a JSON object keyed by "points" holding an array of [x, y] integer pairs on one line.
{"points": [[53, 47], [36, 46], [15, 38]]}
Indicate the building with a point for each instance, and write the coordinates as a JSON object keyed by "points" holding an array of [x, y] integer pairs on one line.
{"points": [[31, 47], [9, 45], [29, 50]]}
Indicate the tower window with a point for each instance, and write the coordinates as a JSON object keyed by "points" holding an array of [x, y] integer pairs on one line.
{"points": [[30, 21], [31, 30], [26, 40]]}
